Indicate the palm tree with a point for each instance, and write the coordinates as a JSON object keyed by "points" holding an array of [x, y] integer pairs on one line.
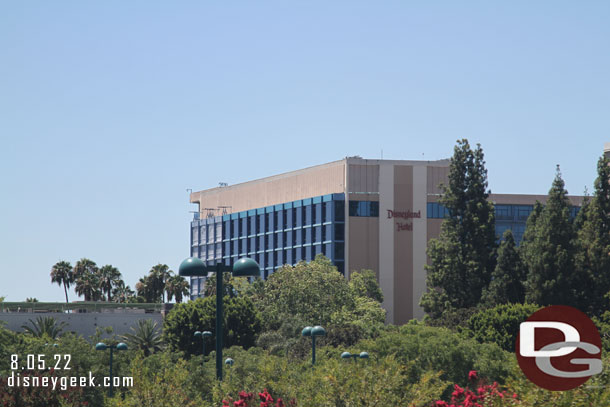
{"points": [[159, 275], [61, 273], [44, 326], [88, 285], [178, 287], [109, 277], [87, 280], [122, 293], [145, 336]]}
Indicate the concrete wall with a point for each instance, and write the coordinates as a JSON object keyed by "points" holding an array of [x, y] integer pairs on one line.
{"points": [[84, 323]]}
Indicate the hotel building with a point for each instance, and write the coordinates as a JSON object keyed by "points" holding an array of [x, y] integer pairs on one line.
{"points": [[360, 213]]}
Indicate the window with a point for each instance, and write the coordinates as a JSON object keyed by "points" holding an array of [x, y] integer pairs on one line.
{"points": [[285, 218], [339, 210], [323, 212], [339, 232], [313, 214], [275, 223], [266, 222], [364, 208], [523, 211], [504, 212]]}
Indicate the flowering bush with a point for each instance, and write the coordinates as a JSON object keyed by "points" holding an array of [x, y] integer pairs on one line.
{"points": [[248, 400], [484, 395]]}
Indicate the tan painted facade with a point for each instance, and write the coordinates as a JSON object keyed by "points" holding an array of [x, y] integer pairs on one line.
{"points": [[392, 244]]}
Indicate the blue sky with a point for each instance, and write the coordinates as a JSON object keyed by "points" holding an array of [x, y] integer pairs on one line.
{"points": [[110, 110]]}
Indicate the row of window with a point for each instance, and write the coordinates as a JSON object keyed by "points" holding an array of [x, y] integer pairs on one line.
{"points": [[364, 208], [503, 212], [274, 258]]}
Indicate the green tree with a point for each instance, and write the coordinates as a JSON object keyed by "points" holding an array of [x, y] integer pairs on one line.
{"points": [[363, 283], [145, 336], [62, 274], [507, 279], [241, 324], [178, 287], [463, 257], [550, 252], [109, 277], [44, 327], [310, 292], [499, 324], [122, 293], [593, 250], [86, 279], [159, 275]]}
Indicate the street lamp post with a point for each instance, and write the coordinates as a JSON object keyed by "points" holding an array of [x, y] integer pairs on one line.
{"points": [[355, 356], [313, 332], [194, 267], [103, 346], [203, 335]]}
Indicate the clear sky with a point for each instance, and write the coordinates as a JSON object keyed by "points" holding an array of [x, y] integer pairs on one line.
{"points": [[110, 110]]}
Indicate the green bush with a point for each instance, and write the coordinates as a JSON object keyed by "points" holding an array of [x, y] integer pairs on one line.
{"points": [[500, 324], [241, 324]]}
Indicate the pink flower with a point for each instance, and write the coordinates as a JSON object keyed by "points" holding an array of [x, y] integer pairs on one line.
{"points": [[472, 375]]}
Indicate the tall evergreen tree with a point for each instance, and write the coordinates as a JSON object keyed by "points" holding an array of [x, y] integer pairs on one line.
{"points": [[463, 256], [549, 251], [593, 258], [506, 285]]}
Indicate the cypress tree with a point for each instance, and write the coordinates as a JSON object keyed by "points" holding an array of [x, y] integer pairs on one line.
{"points": [[506, 285], [549, 251], [462, 258], [593, 244]]}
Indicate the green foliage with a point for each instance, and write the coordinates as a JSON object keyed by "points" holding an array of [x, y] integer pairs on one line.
{"points": [[241, 324], [425, 348], [507, 279], [463, 256], [549, 253], [593, 243], [109, 277], [145, 336], [331, 382], [363, 283], [62, 274], [159, 381], [44, 327], [311, 292], [87, 280], [500, 324]]}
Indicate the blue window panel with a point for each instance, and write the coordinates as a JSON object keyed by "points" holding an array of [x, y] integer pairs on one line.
{"points": [[338, 197], [278, 207], [227, 248], [300, 254], [306, 201], [522, 212], [308, 235], [235, 250], [574, 211], [252, 212], [278, 240], [280, 258], [328, 251], [261, 260], [339, 251], [297, 204], [226, 217], [317, 249], [339, 211], [300, 219], [317, 234], [327, 198], [288, 257], [316, 200], [504, 212], [260, 211], [308, 253], [270, 241], [234, 216], [309, 214]]}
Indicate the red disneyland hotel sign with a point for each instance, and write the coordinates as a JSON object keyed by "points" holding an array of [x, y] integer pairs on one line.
{"points": [[406, 215]]}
